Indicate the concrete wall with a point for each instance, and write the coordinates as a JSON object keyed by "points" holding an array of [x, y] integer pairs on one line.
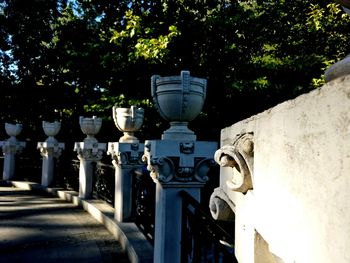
{"points": [[299, 208]]}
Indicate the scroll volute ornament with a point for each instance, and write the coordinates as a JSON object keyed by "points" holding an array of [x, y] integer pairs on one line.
{"points": [[240, 157]]}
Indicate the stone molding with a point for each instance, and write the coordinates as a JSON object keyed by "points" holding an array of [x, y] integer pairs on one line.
{"points": [[239, 156], [89, 151], [176, 161], [50, 149], [125, 154], [12, 147]]}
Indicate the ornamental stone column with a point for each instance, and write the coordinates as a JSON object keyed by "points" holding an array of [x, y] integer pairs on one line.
{"points": [[177, 162], [126, 157], [50, 150], [10, 148], [89, 151]]}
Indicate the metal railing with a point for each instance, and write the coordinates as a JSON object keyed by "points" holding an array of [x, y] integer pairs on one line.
{"points": [[103, 179], [67, 174], [104, 182], [204, 240], [144, 202]]}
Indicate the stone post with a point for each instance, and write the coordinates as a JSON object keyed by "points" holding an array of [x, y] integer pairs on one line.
{"points": [[89, 151], [177, 162], [50, 150], [175, 166], [126, 156], [10, 148]]}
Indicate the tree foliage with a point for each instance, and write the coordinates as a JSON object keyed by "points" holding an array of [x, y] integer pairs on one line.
{"points": [[64, 58]]}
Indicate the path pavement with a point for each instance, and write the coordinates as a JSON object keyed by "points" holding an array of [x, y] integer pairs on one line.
{"points": [[37, 227]]}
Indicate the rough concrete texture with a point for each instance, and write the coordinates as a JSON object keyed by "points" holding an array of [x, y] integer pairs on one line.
{"points": [[300, 201], [37, 227]]}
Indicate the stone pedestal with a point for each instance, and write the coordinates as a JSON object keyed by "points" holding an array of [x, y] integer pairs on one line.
{"points": [[88, 153], [49, 150], [10, 148], [175, 166], [126, 157]]}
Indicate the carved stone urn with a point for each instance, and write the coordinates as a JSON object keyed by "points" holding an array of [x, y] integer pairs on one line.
{"points": [[345, 4], [51, 129], [13, 130], [90, 127], [128, 121], [178, 99], [342, 67]]}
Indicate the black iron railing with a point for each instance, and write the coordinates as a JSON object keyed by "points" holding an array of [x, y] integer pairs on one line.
{"points": [[104, 182], [28, 164], [204, 240], [144, 201], [67, 173]]}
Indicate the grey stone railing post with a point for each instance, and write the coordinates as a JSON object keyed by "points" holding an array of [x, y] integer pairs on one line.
{"points": [[126, 156], [10, 148], [177, 162], [50, 150], [89, 151], [188, 174]]}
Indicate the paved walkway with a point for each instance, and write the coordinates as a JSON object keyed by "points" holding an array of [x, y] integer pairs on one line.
{"points": [[37, 227]]}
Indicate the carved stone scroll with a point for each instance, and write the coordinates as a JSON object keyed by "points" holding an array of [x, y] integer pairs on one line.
{"points": [[161, 169], [240, 157], [221, 206], [202, 169]]}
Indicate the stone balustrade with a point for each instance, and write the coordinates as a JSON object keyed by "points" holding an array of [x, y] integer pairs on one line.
{"points": [[283, 173]]}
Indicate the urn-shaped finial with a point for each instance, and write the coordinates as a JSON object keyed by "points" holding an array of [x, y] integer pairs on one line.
{"points": [[128, 121], [51, 129], [13, 130], [90, 127], [178, 99], [342, 67], [345, 4]]}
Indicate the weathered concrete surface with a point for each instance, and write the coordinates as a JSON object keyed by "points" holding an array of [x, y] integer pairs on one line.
{"points": [[41, 228], [299, 206]]}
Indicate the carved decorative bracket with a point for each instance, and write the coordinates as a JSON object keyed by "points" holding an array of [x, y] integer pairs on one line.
{"points": [[181, 166], [53, 149], [90, 151], [54, 152], [240, 157], [12, 147], [202, 168], [161, 169], [129, 158], [221, 206], [125, 153]]}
